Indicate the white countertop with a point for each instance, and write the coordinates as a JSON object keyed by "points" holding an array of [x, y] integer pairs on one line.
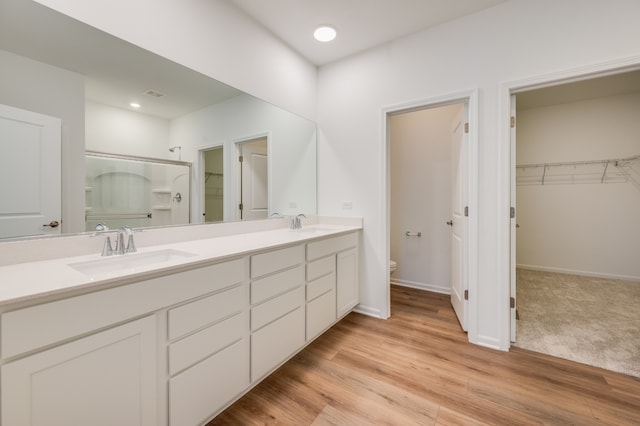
{"points": [[25, 281]]}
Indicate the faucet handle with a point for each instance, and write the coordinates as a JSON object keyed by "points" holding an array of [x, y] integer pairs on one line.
{"points": [[120, 244], [107, 250], [131, 246]]}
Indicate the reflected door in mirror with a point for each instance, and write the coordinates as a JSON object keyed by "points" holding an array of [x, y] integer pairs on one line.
{"points": [[30, 173]]}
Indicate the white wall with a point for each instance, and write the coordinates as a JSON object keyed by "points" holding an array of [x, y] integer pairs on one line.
{"points": [[590, 228], [291, 147], [42, 88], [210, 36], [120, 131], [512, 41], [421, 188]]}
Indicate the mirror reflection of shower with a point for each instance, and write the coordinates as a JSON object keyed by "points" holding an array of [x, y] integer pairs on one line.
{"points": [[136, 192], [179, 148]]}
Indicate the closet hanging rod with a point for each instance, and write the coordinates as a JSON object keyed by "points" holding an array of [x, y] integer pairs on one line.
{"points": [[580, 163]]}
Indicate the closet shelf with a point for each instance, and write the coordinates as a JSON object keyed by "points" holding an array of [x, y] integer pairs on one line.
{"points": [[620, 170]]}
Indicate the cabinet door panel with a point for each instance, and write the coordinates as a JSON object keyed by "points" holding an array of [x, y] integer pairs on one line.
{"points": [[347, 281], [107, 378]]}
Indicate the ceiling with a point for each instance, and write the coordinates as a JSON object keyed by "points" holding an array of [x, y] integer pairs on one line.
{"points": [[116, 72], [361, 24]]}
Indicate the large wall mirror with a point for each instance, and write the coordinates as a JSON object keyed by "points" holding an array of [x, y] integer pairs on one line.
{"points": [[248, 159]]}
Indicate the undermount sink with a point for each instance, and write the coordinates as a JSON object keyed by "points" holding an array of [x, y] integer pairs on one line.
{"points": [[314, 230], [128, 263]]}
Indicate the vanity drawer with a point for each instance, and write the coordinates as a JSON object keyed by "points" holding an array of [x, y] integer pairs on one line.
{"points": [[273, 344], [321, 267], [271, 310], [321, 313], [200, 345], [41, 325], [192, 316], [277, 260], [265, 288], [320, 286], [322, 248], [201, 391]]}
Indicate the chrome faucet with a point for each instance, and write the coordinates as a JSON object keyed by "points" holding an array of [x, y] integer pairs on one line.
{"points": [[131, 246], [295, 221], [108, 250]]}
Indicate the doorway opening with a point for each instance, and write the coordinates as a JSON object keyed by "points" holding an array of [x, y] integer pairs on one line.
{"points": [[253, 179], [576, 191], [431, 156], [213, 183]]}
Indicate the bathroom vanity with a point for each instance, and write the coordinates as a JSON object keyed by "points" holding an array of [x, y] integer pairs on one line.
{"points": [[174, 334]]}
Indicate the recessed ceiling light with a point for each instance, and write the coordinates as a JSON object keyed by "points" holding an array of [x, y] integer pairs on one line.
{"points": [[135, 105], [325, 33]]}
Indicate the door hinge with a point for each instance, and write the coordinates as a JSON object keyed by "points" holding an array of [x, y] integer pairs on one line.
{"points": [[512, 302], [466, 127], [241, 206], [466, 295], [512, 212], [513, 122], [466, 211], [241, 159]]}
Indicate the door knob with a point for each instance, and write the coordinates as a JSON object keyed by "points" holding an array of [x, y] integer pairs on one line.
{"points": [[450, 222], [53, 224]]}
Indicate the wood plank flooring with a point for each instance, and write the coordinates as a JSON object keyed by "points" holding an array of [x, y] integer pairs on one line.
{"points": [[417, 368]]}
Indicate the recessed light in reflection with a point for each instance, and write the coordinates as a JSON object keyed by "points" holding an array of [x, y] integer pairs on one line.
{"points": [[135, 105]]}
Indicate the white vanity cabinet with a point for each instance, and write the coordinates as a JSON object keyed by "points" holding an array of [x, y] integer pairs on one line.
{"points": [[277, 308], [175, 347], [99, 358]]}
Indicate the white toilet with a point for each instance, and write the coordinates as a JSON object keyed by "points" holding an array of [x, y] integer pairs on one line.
{"points": [[392, 266]]}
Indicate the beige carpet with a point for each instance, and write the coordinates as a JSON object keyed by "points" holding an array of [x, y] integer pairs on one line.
{"points": [[590, 320]]}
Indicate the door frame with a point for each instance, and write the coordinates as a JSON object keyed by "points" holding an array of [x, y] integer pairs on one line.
{"points": [[506, 228], [470, 97], [197, 178], [201, 180]]}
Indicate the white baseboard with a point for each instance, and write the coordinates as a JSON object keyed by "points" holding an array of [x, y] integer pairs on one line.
{"points": [[422, 286], [577, 272], [369, 311]]}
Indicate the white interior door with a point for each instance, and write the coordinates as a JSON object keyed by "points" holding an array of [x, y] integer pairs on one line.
{"points": [[254, 177], [30, 173], [513, 218], [458, 222]]}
